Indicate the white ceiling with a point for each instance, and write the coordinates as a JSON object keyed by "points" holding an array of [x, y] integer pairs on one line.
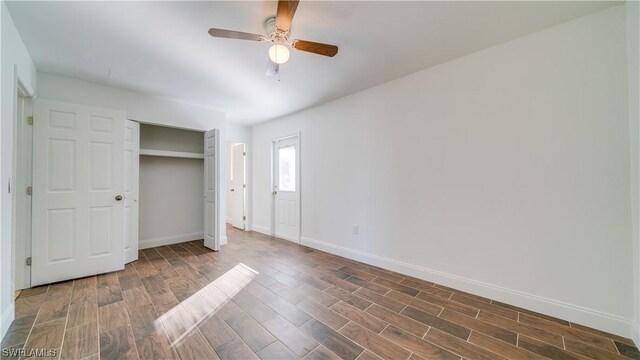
{"points": [[163, 48]]}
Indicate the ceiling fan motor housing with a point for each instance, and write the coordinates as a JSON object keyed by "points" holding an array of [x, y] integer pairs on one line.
{"points": [[276, 35]]}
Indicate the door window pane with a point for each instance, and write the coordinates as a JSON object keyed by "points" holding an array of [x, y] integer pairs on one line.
{"points": [[287, 168]]}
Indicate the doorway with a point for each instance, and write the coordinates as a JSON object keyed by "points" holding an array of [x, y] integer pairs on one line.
{"points": [[286, 188], [236, 184]]}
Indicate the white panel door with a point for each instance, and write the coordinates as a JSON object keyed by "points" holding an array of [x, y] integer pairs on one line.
{"points": [[237, 193], [211, 238], [286, 189], [131, 180], [78, 185]]}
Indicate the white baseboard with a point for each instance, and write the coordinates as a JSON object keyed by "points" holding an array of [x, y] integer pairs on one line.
{"points": [[261, 229], [293, 240], [7, 318], [267, 231], [161, 241], [636, 334], [574, 313], [223, 240]]}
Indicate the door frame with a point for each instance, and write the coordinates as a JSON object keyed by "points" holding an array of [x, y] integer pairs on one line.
{"points": [[272, 230], [229, 159], [21, 178]]}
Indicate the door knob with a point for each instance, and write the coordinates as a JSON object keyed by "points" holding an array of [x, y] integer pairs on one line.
{"points": [[118, 197], [274, 192], [233, 190]]}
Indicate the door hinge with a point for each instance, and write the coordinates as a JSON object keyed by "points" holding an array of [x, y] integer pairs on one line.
{"points": [[29, 190], [244, 153], [30, 120], [244, 186], [29, 261], [244, 218]]}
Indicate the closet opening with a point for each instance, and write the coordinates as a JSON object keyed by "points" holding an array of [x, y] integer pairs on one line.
{"points": [[172, 186]]}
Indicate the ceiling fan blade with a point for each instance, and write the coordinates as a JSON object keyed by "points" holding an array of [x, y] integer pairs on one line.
{"points": [[314, 47], [273, 69], [230, 34], [284, 16]]}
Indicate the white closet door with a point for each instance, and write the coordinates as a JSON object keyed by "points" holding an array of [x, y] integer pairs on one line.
{"points": [[131, 181], [78, 177], [211, 239]]}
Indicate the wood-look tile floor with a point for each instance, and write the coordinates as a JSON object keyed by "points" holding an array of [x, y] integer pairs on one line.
{"points": [[271, 299]]}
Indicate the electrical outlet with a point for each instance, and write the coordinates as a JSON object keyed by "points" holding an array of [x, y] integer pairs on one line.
{"points": [[355, 229]]}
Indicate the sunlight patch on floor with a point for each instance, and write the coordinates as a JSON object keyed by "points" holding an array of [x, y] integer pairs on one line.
{"points": [[184, 317]]}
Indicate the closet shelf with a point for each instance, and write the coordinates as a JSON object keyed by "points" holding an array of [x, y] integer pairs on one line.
{"points": [[178, 154]]}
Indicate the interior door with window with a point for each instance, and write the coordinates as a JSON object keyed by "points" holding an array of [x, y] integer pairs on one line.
{"points": [[131, 180], [237, 191], [286, 189], [78, 187]]}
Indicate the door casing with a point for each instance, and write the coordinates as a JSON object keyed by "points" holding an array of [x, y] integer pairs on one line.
{"points": [[21, 200]]}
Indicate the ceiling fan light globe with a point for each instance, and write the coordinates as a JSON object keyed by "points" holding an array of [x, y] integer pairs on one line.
{"points": [[279, 54]]}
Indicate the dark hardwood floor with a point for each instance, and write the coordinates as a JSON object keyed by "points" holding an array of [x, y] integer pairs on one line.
{"points": [[271, 299]]}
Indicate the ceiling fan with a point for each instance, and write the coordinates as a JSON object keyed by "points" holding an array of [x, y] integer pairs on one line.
{"points": [[278, 32]]}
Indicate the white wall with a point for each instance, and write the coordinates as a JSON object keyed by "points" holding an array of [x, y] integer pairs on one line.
{"points": [[15, 64], [633, 50], [139, 106], [171, 206], [147, 109], [504, 173]]}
